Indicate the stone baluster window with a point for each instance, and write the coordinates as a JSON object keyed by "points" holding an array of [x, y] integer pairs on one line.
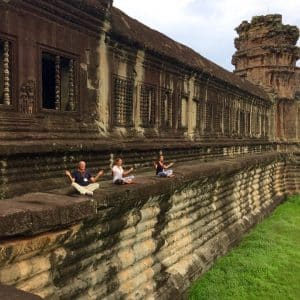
{"points": [[242, 123], [123, 101], [237, 121], [58, 82], [217, 116], [232, 118], [148, 105], [199, 93], [267, 125], [209, 116], [226, 118], [5, 75], [258, 123], [248, 120], [262, 130], [166, 109]]}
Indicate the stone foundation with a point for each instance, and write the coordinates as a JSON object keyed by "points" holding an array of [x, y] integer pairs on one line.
{"points": [[148, 240]]}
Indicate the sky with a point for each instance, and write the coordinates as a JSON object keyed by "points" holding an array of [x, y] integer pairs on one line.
{"points": [[207, 26]]}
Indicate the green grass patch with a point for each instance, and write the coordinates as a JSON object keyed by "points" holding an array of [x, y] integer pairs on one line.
{"points": [[266, 265]]}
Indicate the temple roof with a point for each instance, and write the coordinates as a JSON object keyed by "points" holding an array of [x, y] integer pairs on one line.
{"points": [[146, 38], [92, 5]]}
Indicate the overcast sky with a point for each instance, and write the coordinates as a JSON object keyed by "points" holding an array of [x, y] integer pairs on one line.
{"points": [[207, 26]]}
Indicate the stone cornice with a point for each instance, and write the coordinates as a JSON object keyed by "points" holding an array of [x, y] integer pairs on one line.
{"points": [[89, 15]]}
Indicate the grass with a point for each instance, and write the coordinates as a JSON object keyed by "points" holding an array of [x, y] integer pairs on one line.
{"points": [[266, 265]]}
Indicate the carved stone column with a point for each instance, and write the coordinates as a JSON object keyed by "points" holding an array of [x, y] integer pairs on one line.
{"points": [[71, 105], [57, 83], [6, 89]]}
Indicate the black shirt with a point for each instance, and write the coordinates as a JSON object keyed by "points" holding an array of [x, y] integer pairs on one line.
{"points": [[159, 167], [82, 179]]}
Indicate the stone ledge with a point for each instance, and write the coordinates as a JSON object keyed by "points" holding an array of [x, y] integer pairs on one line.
{"points": [[114, 145], [35, 213], [11, 293]]}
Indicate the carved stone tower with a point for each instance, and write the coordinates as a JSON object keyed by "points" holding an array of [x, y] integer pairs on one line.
{"points": [[267, 54]]}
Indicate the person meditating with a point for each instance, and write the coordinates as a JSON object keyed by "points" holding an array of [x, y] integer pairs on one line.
{"points": [[162, 169], [82, 180], [118, 173]]}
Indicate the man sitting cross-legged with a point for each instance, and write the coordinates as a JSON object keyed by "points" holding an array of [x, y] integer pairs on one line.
{"points": [[82, 180]]}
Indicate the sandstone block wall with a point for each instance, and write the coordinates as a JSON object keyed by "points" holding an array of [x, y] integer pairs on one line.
{"points": [[152, 239]]}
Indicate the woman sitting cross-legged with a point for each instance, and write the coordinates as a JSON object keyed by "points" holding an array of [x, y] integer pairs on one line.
{"points": [[162, 169], [118, 173]]}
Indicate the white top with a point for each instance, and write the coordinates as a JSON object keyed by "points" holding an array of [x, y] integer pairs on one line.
{"points": [[117, 173]]}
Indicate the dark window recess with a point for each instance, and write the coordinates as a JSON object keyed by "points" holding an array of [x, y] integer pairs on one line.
{"points": [[248, 123], [242, 123], [57, 82], [257, 123], [148, 106], [123, 101], [48, 79]]}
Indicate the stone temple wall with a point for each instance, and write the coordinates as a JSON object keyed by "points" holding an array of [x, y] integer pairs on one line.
{"points": [[82, 80], [146, 240]]}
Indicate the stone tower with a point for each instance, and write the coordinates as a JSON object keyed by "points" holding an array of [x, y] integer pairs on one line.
{"points": [[267, 54]]}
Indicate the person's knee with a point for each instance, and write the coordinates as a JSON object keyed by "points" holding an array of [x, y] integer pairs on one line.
{"points": [[74, 184]]}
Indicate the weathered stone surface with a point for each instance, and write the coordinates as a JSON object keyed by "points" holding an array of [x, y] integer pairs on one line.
{"points": [[150, 239], [120, 91], [10, 293], [267, 54], [34, 213]]}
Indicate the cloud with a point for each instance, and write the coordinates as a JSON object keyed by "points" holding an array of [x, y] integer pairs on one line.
{"points": [[207, 26]]}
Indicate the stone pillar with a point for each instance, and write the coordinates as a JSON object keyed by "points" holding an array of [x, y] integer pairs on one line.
{"points": [[192, 109], [140, 74]]}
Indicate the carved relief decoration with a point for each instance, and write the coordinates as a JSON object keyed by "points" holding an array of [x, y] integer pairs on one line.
{"points": [[27, 97]]}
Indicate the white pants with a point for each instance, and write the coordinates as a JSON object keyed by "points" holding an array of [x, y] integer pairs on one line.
{"points": [[127, 179], [165, 173], [85, 189]]}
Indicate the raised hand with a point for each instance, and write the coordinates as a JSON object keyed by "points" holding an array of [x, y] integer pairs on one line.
{"points": [[68, 173]]}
